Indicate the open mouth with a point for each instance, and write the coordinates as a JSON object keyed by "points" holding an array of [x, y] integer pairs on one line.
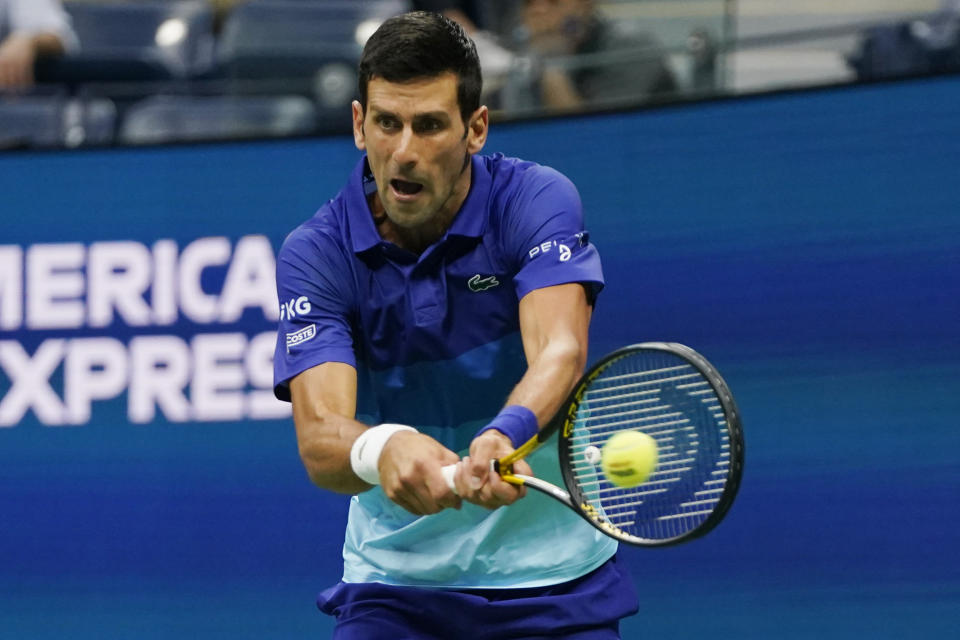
{"points": [[405, 187]]}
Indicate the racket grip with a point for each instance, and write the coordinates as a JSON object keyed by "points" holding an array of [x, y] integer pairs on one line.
{"points": [[448, 471]]}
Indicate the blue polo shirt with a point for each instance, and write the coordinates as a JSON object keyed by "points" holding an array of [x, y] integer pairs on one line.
{"points": [[436, 344]]}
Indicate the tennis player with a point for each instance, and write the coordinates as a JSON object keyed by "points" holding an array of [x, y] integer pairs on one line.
{"points": [[443, 297]]}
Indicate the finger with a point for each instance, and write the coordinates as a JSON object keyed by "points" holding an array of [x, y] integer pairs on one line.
{"points": [[468, 485], [501, 491], [440, 491], [419, 503], [453, 501], [404, 499], [522, 467], [491, 494], [410, 493], [508, 492], [425, 493], [483, 450], [410, 505], [477, 469]]}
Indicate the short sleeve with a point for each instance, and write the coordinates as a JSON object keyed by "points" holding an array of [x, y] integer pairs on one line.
{"points": [[315, 290], [544, 232]]}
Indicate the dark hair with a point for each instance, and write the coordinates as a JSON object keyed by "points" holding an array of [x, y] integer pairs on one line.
{"points": [[422, 44]]}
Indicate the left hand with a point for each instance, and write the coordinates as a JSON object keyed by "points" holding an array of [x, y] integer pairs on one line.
{"points": [[477, 484], [410, 473]]}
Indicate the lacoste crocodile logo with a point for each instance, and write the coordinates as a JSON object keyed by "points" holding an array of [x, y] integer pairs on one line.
{"points": [[478, 283]]}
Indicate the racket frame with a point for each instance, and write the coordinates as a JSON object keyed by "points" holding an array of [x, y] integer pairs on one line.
{"points": [[565, 420]]}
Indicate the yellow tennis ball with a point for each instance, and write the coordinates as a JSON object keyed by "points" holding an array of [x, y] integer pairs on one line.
{"points": [[628, 458]]}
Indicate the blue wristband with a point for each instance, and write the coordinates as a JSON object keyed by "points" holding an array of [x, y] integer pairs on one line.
{"points": [[516, 422]]}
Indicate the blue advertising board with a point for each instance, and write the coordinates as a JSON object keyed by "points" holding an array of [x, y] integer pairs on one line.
{"points": [[807, 243]]}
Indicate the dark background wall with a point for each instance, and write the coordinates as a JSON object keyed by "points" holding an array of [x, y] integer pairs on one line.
{"points": [[806, 243]]}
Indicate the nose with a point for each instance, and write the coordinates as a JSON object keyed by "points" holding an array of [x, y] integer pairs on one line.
{"points": [[406, 152]]}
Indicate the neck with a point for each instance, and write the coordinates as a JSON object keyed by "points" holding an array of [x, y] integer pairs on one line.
{"points": [[417, 239]]}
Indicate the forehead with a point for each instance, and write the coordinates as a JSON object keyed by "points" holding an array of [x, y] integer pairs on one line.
{"points": [[420, 95]]}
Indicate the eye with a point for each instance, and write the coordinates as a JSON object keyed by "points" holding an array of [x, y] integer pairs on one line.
{"points": [[428, 125], [387, 123]]}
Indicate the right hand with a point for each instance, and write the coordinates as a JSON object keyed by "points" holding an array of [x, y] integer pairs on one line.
{"points": [[410, 473], [475, 481]]}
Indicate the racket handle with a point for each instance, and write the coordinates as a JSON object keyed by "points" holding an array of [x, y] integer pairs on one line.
{"points": [[448, 471]]}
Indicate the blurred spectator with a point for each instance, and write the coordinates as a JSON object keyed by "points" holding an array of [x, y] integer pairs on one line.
{"points": [[920, 46], [469, 13], [580, 59], [478, 20], [222, 9], [31, 29]]}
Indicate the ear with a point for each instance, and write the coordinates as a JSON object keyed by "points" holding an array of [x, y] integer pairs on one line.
{"points": [[477, 129], [359, 138]]}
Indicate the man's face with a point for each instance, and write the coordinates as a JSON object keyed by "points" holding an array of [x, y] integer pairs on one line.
{"points": [[417, 145]]}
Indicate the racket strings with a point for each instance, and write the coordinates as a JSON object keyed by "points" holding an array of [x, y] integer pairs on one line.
{"points": [[670, 400]]}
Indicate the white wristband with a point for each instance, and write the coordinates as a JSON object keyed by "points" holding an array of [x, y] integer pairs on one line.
{"points": [[366, 450]]}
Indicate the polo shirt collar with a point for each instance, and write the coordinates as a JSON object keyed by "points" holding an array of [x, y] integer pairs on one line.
{"points": [[470, 221], [363, 232]]}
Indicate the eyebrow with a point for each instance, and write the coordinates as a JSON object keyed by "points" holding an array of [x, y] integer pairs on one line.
{"points": [[439, 114]]}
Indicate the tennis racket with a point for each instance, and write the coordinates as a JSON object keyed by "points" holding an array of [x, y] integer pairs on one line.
{"points": [[671, 393]]}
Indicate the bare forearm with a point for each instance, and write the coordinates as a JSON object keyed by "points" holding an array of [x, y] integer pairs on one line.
{"points": [[549, 379], [324, 403], [324, 444], [554, 323], [408, 464]]}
